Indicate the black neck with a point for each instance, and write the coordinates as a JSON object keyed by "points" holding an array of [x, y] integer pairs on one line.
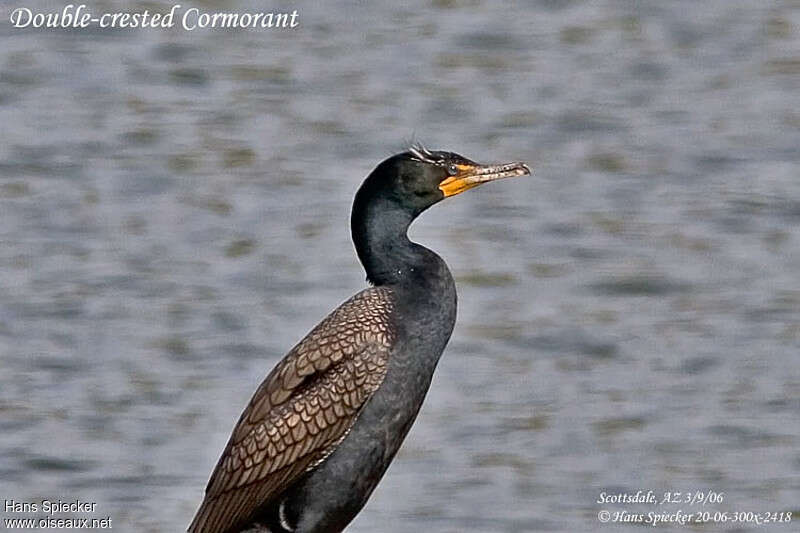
{"points": [[380, 232]]}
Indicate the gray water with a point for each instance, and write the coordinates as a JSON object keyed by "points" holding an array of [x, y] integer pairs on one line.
{"points": [[174, 215]]}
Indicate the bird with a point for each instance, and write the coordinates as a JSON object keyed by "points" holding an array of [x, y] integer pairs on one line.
{"points": [[324, 425]]}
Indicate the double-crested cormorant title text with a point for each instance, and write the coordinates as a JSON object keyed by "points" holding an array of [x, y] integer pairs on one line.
{"points": [[73, 16]]}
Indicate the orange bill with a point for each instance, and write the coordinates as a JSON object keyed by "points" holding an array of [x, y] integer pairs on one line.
{"points": [[468, 176]]}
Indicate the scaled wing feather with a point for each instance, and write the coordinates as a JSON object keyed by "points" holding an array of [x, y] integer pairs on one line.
{"points": [[301, 411]]}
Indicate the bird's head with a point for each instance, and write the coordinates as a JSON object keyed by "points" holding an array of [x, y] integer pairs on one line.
{"points": [[419, 178]]}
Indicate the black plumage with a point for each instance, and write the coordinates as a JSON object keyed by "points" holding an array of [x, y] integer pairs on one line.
{"points": [[322, 428]]}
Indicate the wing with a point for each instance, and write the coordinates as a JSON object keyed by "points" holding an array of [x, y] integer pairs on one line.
{"points": [[301, 411]]}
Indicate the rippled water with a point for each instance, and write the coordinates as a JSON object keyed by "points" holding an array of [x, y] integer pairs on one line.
{"points": [[174, 216]]}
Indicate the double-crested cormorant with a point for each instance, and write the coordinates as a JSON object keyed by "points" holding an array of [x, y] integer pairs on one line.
{"points": [[322, 428]]}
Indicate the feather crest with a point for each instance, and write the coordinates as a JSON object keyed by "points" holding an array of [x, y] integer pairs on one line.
{"points": [[423, 154]]}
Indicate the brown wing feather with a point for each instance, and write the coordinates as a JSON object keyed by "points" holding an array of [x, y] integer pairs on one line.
{"points": [[301, 411]]}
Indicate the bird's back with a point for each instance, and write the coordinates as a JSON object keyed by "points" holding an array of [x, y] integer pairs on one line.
{"points": [[301, 411]]}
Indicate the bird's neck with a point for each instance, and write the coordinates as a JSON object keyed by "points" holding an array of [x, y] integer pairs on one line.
{"points": [[380, 233]]}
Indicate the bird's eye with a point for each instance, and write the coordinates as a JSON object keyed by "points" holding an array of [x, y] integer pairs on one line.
{"points": [[452, 170]]}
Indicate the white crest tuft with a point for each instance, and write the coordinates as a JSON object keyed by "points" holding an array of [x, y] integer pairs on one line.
{"points": [[423, 154]]}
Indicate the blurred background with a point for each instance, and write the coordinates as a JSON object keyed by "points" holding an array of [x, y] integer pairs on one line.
{"points": [[174, 211]]}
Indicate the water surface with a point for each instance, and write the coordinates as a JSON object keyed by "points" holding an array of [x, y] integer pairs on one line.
{"points": [[174, 215]]}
